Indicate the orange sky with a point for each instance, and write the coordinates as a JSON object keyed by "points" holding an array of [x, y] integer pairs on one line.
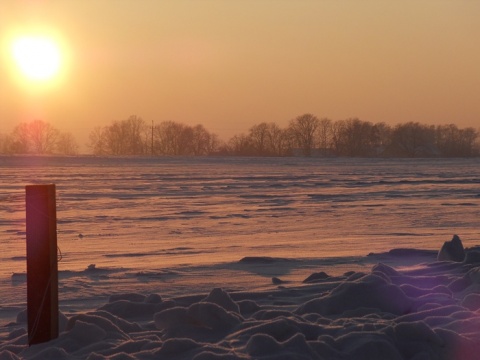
{"points": [[232, 64]]}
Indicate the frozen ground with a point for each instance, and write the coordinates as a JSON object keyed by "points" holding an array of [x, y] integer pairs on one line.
{"points": [[179, 227]]}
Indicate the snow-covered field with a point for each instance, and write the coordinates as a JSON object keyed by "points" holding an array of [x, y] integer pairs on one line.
{"points": [[144, 241]]}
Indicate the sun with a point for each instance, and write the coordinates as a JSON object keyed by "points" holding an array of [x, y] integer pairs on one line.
{"points": [[38, 58]]}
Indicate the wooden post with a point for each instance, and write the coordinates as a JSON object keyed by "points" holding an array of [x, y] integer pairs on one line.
{"points": [[42, 269]]}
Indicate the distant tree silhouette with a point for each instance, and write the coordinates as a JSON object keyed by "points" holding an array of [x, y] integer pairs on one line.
{"points": [[38, 137], [241, 145], [66, 144], [5, 144], [302, 129], [122, 137], [133, 137], [413, 139], [264, 139], [203, 142], [324, 135], [382, 134], [43, 137], [305, 135], [98, 142], [260, 140], [267, 139], [171, 138], [20, 143], [354, 137], [279, 140], [454, 142]]}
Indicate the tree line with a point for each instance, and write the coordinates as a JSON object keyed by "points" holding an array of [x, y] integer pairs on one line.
{"points": [[305, 135], [134, 136], [38, 137]]}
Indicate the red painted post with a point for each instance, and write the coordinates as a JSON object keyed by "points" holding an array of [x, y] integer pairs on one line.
{"points": [[42, 269]]}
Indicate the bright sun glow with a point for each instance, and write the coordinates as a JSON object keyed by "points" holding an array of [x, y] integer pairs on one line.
{"points": [[38, 58]]}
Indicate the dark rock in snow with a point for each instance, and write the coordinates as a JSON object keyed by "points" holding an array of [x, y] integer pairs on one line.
{"points": [[316, 277], [452, 250], [472, 257], [277, 281]]}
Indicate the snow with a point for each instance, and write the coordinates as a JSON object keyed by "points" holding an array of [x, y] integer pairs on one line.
{"points": [[429, 311], [219, 258]]}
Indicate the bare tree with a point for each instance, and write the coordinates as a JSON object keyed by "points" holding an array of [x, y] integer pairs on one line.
{"points": [[382, 134], [413, 140], [454, 142], [303, 129], [241, 145], [122, 137], [168, 138], [259, 138], [136, 130], [98, 141], [114, 136], [324, 135], [361, 137], [172, 138], [43, 137], [470, 144], [5, 144], [278, 140], [20, 143], [203, 142], [66, 144], [39, 137]]}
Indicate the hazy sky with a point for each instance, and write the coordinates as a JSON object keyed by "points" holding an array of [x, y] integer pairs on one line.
{"points": [[232, 64]]}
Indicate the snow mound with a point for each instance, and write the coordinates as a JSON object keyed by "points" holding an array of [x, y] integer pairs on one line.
{"points": [[429, 311]]}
